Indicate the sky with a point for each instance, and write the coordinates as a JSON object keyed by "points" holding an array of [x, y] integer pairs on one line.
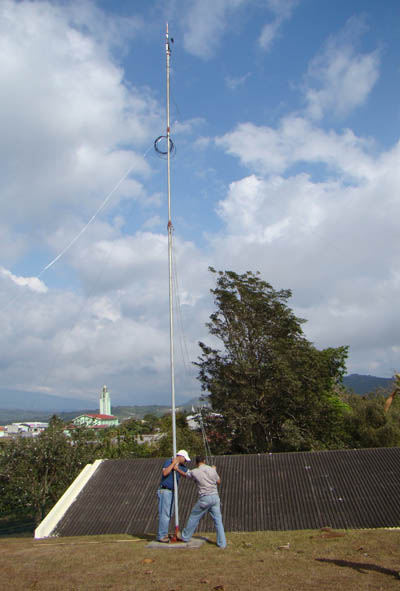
{"points": [[285, 116]]}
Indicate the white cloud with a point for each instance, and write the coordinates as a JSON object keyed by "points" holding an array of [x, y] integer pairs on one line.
{"points": [[107, 30], [262, 211], [116, 332], [33, 283], [333, 243], [282, 10], [316, 211], [205, 22], [70, 130], [81, 128], [268, 34], [203, 143], [271, 151], [106, 309], [328, 234], [187, 127], [154, 221], [340, 79], [234, 83]]}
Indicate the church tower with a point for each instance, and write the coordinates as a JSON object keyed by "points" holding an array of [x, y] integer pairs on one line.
{"points": [[105, 402]]}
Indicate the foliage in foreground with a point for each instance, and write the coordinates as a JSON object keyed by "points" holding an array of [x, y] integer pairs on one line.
{"points": [[368, 425], [35, 472]]}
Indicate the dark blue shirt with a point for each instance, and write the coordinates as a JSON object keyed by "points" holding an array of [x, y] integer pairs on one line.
{"points": [[168, 481]]}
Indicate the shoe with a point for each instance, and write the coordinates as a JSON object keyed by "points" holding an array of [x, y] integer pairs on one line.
{"points": [[164, 540]]}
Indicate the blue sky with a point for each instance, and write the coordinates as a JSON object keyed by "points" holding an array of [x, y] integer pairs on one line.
{"points": [[286, 119]]}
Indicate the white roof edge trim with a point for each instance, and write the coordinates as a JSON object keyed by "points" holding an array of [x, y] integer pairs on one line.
{"points": [[47, 526]]}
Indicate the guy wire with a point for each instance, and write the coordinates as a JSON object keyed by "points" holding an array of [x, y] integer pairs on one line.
{"points": [[178, 308], [204, 435], [79, 234]]}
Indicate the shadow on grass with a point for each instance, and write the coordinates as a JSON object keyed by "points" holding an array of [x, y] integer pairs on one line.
{"points": [[362, 567], [207, 541], [17, 528], [144, 537], [152, 538]]}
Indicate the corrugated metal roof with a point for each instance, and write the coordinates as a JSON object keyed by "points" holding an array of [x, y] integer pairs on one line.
{"points": [[303, 490]]}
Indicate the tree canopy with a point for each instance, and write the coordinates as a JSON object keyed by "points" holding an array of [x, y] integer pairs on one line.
{"points": [[273, 388], [35, 472]]}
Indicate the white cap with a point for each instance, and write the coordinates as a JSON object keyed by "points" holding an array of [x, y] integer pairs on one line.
{"points": [[185, 454]]}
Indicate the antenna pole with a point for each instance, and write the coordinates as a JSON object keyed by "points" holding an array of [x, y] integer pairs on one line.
{"points": [[171, 311]]}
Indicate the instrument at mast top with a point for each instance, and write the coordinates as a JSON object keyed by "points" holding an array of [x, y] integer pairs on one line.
{"points": [[163, 141]]}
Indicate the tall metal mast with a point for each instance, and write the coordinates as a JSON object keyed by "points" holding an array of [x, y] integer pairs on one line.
{"points": [[171, 310]]}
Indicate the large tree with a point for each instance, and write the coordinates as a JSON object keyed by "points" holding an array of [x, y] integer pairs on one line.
{"points": [[273, 388]]}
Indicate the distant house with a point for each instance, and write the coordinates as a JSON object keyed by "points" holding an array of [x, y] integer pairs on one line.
{"points": [[3, 432], [13, 429], [34, 428], [25, 429], [95, 421], [149, 438], [194, 420]]}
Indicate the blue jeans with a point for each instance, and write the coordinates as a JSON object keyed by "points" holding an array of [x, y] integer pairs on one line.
{"points": [[211, 504], [165, 511]]}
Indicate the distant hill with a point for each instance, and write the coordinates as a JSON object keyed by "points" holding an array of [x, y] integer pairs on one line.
{"points": [[8, 416], [66, 408], [361, 384], [37, 402]]}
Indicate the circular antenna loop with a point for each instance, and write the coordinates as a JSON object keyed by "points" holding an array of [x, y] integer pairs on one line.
{"points": [[160, 146]]}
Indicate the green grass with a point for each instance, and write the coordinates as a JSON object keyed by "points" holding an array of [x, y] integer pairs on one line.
{"points": [[274, 561]]}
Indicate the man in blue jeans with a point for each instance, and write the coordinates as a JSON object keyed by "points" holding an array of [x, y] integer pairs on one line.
{"points": [[207, 480], [166, 491]]}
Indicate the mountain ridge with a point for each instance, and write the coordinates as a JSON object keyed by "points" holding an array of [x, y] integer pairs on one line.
{"points": [[8, 416], [67, 408], [363, 384]]}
